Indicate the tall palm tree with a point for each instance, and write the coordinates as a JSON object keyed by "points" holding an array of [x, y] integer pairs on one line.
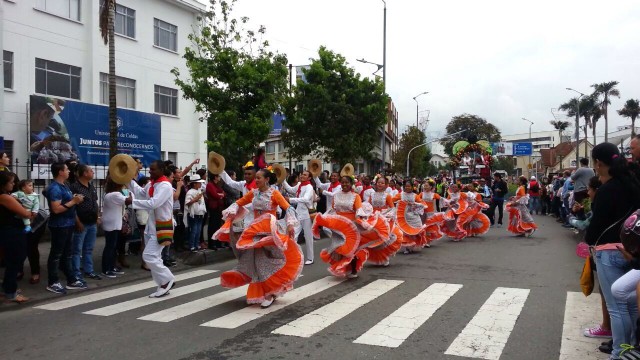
{"points": [[588, 110], [107, 17], [597, 114], [571, 107], [606, 90], [631, 110], [560, 126]]}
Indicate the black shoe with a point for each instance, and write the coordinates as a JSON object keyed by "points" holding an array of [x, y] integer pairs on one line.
{"points": [[606, 347], [168, 264]]}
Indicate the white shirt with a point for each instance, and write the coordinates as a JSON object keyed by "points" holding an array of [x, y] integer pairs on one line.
{"points": [[325, 188], [112, 211], [304, 201], [160, 206], [366, 196], [198, 207], [240, 186]]}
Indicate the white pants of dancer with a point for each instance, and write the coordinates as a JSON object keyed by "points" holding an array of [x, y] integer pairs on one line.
{"points": [[624, 289], [305, 225], [152, 256]]}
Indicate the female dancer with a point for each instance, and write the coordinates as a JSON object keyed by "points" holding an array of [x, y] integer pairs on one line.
{"points": [[456, 204], [408, 216], [520, 220], [383, 204], [269, 260], [344, 255], [474, 221], [432, 219]]}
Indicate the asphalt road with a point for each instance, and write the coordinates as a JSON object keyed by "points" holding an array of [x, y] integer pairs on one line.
{"points": [[493, 297]]}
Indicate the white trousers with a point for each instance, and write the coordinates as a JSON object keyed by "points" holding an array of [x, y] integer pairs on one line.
{"points": [[152, 256], [305, 225]]}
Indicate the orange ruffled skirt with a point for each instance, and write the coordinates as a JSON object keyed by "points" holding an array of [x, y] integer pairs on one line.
{"points": [[269, 260], [381, 254], [413, 230], [520, 220], [345, 244]]}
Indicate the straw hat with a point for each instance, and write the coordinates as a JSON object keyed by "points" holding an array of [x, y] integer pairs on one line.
{"points": [[122, 169], [347, 170], [215, 163], [315, 167], [280, 171]]}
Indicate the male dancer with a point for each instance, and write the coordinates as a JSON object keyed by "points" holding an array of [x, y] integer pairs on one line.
{"points": [[157, 198]]}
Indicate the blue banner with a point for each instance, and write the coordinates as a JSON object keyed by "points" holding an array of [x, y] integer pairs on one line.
{"points": [[61, 130], [522, 148]]}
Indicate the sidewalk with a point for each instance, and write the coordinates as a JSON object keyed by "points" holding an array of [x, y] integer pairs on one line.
{"points": [[37, 293]]}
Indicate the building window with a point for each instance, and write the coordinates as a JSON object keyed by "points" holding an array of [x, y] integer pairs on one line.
{"points": [[53, 78], [271, 147], [125, 21], [69, 9], [125, 91], [173, 157], [165, 35], [7, 62], [166, 100], [281, 146]]}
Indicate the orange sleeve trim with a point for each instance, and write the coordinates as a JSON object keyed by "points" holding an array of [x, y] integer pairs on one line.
{"points": [[245, 200], [357, 204], [277, 198], [389, 201]]}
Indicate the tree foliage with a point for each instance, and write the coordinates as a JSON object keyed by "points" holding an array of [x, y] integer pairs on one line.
{"points": [[561, 126], [631, 110], [335, 115], [503, 163], [419, 159], [472, 125], [236, 83], [606, 90]]}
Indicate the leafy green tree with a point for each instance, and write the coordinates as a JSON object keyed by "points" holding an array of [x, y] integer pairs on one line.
{"points": [[335, 115], [606, 90], [631, 110], [561, 126], [236, 83], [418, 160], [474, 126], [503, 163]]}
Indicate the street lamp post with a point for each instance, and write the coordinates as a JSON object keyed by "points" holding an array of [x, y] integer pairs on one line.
{"points": [[530, 124], [577, 124], [429, 142], [417, 104]]}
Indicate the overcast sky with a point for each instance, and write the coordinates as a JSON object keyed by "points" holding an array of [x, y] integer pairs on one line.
{"points": [[500, 59]]}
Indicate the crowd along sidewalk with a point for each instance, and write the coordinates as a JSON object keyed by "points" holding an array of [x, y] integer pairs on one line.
{"points": [[38, 293]]}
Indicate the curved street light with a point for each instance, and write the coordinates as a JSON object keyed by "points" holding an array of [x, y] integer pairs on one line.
{"points": [[429, 142], [415, 99]]}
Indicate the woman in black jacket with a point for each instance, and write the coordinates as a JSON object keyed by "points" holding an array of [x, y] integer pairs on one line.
{"points": [[614, 201]]}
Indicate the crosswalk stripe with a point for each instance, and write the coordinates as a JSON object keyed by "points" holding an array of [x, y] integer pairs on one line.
{"points": [[193, 307], [393, 330], [146, 300], [322, 318], [250, 313], [580, 312], [81, 300], [487, 333]]}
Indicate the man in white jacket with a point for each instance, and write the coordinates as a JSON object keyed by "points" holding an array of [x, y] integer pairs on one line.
{"points": [[157, 198], [304, 200]]}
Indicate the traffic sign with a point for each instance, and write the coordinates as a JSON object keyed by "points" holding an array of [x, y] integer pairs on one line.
{"points": [[522, 148]]}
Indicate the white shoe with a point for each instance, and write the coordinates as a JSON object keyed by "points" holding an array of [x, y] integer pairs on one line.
{"points": [[531, 233], [162, 291], [427, 245], [352, 276], [267, 302], [386, 263], [308, 262]]}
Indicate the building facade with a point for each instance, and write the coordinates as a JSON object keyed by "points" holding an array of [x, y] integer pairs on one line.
{"points": [[54, 48]]}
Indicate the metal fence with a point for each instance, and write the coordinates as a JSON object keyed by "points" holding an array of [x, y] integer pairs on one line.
{"points": [[26, 170]]}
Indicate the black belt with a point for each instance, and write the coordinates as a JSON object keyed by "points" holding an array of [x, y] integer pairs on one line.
{"points": [[197, 216]]}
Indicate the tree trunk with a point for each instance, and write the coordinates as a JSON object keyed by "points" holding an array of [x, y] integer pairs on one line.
{"points": [[605, 106], [594, 136], [113, 111], [633, 126]]}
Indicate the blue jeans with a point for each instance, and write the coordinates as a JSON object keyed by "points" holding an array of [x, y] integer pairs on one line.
{"points": [[109, 252], [195, 227], [60, 254], [534, 204], [83, 243], [611, 265]]}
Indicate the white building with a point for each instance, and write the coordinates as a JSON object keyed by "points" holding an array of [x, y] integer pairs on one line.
{"points": [[539, 139], [54, 48]]}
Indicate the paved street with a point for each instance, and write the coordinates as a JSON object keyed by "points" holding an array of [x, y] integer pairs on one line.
{"points": [[492, 297]]}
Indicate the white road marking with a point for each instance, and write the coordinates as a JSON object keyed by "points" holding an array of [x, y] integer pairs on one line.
{"points": [[193, 307], [250, 313], [85, 299], [145, 301], [393, 330], [487, 333], [316, 321], [580, 312]]}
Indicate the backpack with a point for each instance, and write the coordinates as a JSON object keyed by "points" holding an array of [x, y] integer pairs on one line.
{"points": [[535, 187]]}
